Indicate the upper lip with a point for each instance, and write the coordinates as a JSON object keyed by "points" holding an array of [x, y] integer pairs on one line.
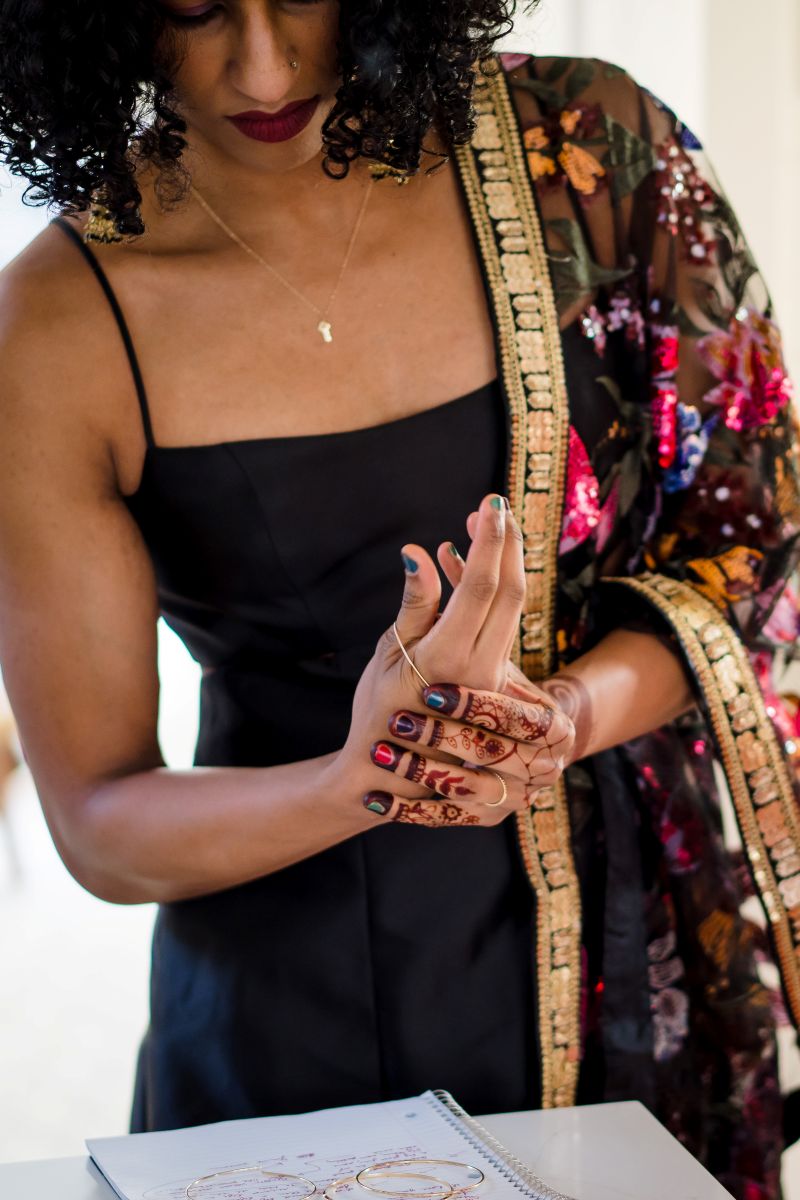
{"points": [[255, 114]]}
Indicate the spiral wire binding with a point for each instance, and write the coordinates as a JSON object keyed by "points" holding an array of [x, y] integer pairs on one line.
{"points": [[508, 1165]]}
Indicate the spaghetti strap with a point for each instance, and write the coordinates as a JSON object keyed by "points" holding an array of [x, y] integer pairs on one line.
{"points": [[102, 279]]}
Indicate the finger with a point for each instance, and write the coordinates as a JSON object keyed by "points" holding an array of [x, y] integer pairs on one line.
{"points": [[446, 779], [472, 599], [436, 814], [502, 622], [526, 721], [471, 788], [465, 743], [451, 563], [422, 594]]}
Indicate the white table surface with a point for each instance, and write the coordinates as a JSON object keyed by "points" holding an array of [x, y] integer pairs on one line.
{"points": [[599, 1152]]}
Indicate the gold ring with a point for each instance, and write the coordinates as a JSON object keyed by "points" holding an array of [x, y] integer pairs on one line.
{"points": [[504, 797]]}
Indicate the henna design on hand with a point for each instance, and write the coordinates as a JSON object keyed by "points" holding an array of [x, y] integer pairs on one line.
{"points": [[533, 738], [573, 697]]}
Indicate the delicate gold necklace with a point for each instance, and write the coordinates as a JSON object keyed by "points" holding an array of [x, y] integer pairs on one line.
{"points": [[324, 326]]}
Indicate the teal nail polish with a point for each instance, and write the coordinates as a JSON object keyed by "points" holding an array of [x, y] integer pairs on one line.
{"points": [[497, 502], [435, 700], [410, 564], [378, 802], [453, 551]]}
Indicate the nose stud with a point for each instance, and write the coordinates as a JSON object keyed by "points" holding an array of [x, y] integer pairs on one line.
{"points": [[293, 63]]}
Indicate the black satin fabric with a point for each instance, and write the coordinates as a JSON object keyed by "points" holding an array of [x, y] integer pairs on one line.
{"points": [[404, 958]]}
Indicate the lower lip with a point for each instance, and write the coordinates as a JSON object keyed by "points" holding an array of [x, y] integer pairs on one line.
{"points": [[277, 129]]}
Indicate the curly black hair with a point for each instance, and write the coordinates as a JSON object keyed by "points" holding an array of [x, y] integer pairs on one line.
{"points": [[86, 92]]}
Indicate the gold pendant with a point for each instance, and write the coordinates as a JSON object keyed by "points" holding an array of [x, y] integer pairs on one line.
{"points": [[325, 329]]}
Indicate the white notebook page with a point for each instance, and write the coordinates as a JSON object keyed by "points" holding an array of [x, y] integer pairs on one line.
{"points": [[322, 1146]]}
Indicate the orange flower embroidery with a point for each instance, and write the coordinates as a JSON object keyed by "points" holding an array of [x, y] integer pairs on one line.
{"points": [[729, 577], [569, 120], [581, 168], [536, 138], [540, 165]]}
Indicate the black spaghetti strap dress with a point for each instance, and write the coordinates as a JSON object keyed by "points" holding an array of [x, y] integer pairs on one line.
{"points": [[404, 958]]}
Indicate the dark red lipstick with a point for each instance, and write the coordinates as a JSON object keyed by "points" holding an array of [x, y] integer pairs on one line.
{"points": [[277, 126]]}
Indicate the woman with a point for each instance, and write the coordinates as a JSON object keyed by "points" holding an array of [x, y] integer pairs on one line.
{"points": [[330, 368]]}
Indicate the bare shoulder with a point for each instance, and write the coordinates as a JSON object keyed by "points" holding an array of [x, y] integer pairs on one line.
{"points": [[61, 376]]}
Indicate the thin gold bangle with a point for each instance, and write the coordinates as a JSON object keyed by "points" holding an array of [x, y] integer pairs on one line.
{"points": [[260, 1170], [437, 1195], [410, 1162], [408, 657]]}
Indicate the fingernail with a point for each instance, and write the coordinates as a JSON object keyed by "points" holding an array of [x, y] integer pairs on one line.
{"points": [[378, 802], [410, 564], [444, 697], [497, 502], [507, 503], [405, 725], [453, 551], [384, 755]]}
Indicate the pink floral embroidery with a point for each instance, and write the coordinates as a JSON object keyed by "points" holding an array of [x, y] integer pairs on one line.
{"points": [[748, 360], [683, 194], [784, 622], [665, 361], [665, 422], [593, 328], [582, 504], [624, 314]]}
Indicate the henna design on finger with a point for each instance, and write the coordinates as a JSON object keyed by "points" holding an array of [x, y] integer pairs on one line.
{"points": [[433, 813], [435, 777], [523, 721], [533, 737]]}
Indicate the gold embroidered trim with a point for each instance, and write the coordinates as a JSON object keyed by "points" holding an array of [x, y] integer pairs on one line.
{"points": [[499, 192], [755, 767]]}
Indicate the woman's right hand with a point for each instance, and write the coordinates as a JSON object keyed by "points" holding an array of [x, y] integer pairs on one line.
{"points": [[471, 643]]}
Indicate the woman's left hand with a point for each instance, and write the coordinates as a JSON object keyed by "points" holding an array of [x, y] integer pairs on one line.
{"points": [[520, 732]]}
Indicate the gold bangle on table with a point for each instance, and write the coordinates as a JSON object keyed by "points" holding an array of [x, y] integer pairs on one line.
{"points": [[504, 797], [444, 1190], [237, 1171], [383, 1170]]}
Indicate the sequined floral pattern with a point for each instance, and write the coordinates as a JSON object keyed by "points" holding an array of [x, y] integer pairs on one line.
{"points": [[748, 360], [682, 460]]}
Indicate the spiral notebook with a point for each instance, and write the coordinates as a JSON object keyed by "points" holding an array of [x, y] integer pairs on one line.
{"points": [[323, 1147]]}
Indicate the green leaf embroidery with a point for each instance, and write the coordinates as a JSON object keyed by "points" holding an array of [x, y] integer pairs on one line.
{"points": [[576, 275], [631, 158], [557, 68], [582, 76]]}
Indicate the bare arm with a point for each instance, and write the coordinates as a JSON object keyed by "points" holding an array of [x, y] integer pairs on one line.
{"points": [[628, 685], [78, 613]]}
